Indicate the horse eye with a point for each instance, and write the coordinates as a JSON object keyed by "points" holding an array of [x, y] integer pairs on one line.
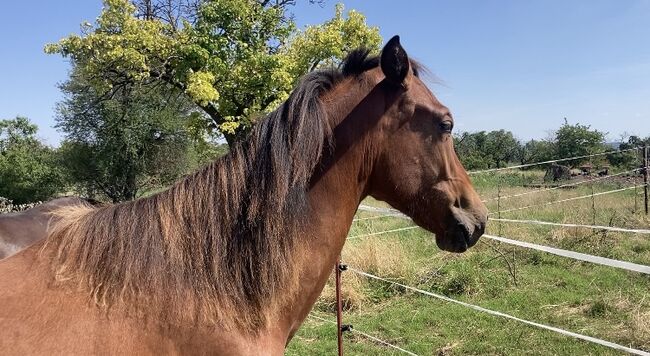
{"points": [[446, 126]]}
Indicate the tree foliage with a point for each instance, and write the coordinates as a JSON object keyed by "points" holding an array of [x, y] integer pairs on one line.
{"points": [[630, 159], [481, 150], [494, 149], [232, 58], [578, 140], [502, 146], [136, 140], [28, 168], [537, 151]]}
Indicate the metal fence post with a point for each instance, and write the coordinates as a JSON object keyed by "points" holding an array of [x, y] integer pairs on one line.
{"points": [[339, 305], [645, 177], [499, 203]]}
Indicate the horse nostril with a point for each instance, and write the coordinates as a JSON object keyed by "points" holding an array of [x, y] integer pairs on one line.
{"points": [[480, 229]]}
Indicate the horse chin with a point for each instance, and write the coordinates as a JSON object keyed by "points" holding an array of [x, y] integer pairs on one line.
{"points": [[458, 239]]}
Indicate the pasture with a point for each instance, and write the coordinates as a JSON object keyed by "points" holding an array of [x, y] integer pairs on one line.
{"points": [[595, 300]]}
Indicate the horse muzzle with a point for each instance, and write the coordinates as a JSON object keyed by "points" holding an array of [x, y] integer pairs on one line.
{"points": [[463, 233]]}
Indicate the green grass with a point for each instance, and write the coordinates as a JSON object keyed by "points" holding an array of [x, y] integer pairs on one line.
{"points": [[594, 300]]}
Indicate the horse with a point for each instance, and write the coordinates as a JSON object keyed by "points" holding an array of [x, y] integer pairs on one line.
{"points": [[231, 259], [21, 229]]}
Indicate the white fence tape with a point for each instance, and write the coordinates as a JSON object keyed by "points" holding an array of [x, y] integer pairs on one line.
{"points": [[575, 255], [556, 251], [595, 227], [383, 232]]}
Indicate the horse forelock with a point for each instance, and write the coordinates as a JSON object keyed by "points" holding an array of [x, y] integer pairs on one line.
{"points": [[217, 246]]}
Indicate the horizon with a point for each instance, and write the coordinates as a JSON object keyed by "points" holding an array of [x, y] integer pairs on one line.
{"points": [[521, 67]]}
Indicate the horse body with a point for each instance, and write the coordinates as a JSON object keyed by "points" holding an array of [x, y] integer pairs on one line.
{"points": [[21, 229], [390, 140], [50, 320]]}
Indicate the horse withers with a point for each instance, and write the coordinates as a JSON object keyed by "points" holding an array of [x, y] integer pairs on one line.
{"points": [[231, 259]]}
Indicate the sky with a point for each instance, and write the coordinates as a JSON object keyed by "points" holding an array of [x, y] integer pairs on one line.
{"points": [[522, 66]]}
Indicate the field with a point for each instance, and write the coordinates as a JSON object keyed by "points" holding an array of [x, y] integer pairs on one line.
{"points": [[600, 301]]}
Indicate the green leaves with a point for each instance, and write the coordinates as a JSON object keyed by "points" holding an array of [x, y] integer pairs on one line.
{"points": [[236, 59], [28, 169], [578, 140], [123, 146], [200, 88], [326, 44]]}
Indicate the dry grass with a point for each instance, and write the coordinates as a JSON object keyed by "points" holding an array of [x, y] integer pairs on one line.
{"points": [[377, 256]]}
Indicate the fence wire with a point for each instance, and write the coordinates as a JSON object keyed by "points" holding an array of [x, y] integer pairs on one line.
{"points": [[367, 336], [571, 199], [507, 316], [553, 161], [561, 186]]}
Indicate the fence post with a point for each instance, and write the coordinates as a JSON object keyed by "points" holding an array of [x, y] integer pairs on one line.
{"points": [[339, 306], [593, 201], [499, 203], [645, 177]]}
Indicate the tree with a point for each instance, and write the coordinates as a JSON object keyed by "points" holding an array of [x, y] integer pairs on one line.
{"points": [[578, 140], [481, 150], [502, 147], [537, 151], [630, 159], [469, 147], [118, 147], [232, 58], [28, 170]]}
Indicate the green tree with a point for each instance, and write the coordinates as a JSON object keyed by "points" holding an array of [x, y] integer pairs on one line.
{"points": [[578, 140], [502, 147], [537, 151], [630, 159], [232, 58], [28, 169], [134, 141], [470, 149], [481, 150]]}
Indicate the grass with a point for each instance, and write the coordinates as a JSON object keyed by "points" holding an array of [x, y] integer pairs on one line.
{"points": [[594, 300]]}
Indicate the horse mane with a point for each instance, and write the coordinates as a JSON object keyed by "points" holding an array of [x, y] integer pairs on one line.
{"points": [[217, 246]]}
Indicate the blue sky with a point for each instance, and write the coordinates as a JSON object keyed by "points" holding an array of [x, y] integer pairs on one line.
{"points": [[518, 65]]}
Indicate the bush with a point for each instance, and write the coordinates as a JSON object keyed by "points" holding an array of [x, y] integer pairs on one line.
{"points": [[28, 169]]}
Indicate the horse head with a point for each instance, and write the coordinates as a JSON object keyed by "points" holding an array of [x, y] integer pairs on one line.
{"points": [[416, 169]]}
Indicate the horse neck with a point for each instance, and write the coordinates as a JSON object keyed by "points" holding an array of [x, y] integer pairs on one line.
{"points": [[335, 194]]}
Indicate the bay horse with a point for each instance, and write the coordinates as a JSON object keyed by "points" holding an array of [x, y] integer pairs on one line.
{"points": [[231, 259], [21, 229]]}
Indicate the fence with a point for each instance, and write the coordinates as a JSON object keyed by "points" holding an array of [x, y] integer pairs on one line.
{"points": [[384, 213]]}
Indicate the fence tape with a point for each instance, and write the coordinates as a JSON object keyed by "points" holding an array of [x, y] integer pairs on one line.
{"points": [[595, 227], [383, 232], [575, 255], [375, 217], [556, 251]]}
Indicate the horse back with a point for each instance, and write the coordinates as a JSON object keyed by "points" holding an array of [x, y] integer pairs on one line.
{"points": [[21, 229]]}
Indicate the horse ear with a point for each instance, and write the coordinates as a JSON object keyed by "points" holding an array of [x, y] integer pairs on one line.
{"points": [[394, 61]]}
